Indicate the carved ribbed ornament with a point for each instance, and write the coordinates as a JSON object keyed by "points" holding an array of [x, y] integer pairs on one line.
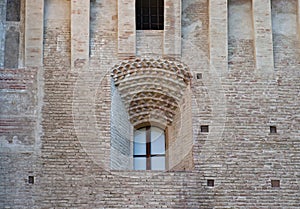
{"points": [[151, 89]]}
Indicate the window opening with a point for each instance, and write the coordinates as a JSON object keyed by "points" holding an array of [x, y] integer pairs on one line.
{"points": [[149, 14], [273, 130], [275, 183], [204, 129], [210, 182], [31, 179], [149, 149]]}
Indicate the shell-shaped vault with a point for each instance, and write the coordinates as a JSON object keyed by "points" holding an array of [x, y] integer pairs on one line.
{"points": [[151, 89]]}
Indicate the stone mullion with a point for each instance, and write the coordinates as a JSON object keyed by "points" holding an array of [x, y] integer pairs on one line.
{"points": [[148, 148]]}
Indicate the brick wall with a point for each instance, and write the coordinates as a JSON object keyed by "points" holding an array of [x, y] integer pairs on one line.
{"points": [[71, 163], [18, 143], [121, 134], [180, 157], [149, 42]]}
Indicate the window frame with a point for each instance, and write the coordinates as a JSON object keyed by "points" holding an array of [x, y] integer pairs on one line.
{"points": [[148, 155]]}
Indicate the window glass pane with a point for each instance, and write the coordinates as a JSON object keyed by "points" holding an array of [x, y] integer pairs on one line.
{"points": [[138, 3], [153, 11], [140, 142], [161, 19], [145, 19], [160, 3], [154, 19], [153, 3], [145, 11], [158, 163], [157, 141], [145, 27], [144, 3], [153, 27], [161, 11], [139, 163]]}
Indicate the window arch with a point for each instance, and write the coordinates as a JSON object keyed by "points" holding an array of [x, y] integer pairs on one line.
{"points": [[149, 92], [149, 150]]}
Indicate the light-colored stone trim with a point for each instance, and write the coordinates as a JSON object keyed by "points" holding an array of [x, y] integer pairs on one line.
{"points": [[80, 33], [218, 35], [263, 41], [34, 18], [126, 28], [172, 28]]}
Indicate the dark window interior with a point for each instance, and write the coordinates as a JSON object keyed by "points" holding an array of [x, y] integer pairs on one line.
{"points": [[275, 183], [273, 130], [149, 14], [204, 129], [31, 179], [210, 182]]}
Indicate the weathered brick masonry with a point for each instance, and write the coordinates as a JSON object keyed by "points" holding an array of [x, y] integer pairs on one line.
{"points": [[69, 103]]}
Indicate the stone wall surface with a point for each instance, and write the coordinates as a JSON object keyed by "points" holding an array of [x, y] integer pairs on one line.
{"points": [[2, 31], [121, 134], [12, 33], [285, 34], [58, 120]]}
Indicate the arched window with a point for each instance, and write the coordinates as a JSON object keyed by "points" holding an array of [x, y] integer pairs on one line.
{"points": [[149, 14], [149, 151], [154, 97]]}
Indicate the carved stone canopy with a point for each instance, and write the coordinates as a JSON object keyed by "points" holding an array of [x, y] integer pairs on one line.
{"points": [[151, 89]]}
